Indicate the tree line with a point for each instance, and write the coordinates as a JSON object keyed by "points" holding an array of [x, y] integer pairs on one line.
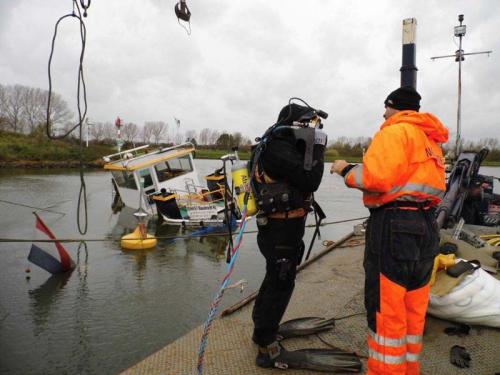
{"points": [[23, 110], [356, 146]]}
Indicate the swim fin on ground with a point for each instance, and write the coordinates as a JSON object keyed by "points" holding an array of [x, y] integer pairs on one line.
{"points": [[324, 360], [304, 327]]}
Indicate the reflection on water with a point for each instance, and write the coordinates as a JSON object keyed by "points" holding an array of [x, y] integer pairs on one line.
{"points": [[43, 297], [171, 238], [117, 306], [47, 294]]}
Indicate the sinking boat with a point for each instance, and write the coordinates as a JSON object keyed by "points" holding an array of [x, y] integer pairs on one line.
{"points": [[165, 182]]}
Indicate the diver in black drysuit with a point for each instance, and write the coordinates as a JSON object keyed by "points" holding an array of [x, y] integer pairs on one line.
{"points": [[280, 169]]}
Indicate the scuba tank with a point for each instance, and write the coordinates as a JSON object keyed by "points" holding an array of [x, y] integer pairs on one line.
{"points": [[241, 180]]}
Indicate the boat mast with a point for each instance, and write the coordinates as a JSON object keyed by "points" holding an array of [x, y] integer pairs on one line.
{"points": [[459, 57]]}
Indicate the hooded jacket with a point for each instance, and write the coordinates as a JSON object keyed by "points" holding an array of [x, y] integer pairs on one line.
{"points": [[403, 162]]}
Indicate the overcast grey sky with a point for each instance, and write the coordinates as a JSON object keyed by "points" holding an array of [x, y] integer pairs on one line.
{"points": [[244, 59]]}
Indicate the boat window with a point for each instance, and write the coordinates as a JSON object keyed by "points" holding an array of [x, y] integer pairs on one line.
{"points": [[124, 179], [168, 169], [146, 178]]}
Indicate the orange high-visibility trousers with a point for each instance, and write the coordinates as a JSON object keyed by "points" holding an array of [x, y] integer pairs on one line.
{"points": [[399, 253]]}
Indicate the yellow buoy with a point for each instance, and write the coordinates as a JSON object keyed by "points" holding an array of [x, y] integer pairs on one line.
{"points": [[139, 239]]}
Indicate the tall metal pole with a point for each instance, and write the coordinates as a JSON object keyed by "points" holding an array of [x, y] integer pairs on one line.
{"points": [[409, 68], [459, 57], [459, 106]]}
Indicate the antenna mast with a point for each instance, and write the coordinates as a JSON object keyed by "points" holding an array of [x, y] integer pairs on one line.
{"points": [[459, 57]]}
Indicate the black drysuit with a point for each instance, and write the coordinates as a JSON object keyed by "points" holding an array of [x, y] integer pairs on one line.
{"points": [[280, 240]]}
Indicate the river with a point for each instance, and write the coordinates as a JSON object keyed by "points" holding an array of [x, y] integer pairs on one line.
{"points": [[118, 306]]}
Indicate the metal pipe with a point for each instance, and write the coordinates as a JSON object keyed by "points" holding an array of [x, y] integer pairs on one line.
{"points": [[409, 68]]}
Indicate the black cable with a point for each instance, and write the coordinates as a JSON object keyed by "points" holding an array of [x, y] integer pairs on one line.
{"points": [[81, 87], [81, 80], [329, 344]]}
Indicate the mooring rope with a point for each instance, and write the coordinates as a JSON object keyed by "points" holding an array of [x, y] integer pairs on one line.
{"points": [[36, 208], [220, 293], [186, 236]]}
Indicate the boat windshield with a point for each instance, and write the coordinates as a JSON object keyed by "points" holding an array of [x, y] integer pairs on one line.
{"points": [[146, 179], [168, 169], [124, 179]]}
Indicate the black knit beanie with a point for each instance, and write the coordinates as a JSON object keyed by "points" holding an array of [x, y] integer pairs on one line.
{"points": [[404, 98]]}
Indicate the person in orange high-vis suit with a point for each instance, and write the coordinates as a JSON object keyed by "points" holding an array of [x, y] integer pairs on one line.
{"points": [[402, 178]]}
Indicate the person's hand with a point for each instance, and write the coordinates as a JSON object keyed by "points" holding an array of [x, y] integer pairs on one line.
{"points": [[338, 166]]}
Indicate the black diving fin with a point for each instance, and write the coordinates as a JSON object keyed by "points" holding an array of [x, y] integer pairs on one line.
{"points": [[304, 327], [324, 360]]}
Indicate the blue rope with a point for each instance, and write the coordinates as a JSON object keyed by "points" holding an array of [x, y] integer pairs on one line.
{"points": [[220, 294]]}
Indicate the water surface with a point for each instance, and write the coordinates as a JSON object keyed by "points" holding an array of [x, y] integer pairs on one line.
{"points": [[118, 306]]}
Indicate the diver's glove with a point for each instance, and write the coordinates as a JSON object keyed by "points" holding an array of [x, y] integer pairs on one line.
{"points": [[459, 330], [459, 356]]}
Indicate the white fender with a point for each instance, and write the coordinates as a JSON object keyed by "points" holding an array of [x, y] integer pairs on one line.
{"points": [[476, 300]]}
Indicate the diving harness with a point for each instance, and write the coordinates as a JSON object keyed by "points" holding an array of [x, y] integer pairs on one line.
{"points": [[276, 199]]}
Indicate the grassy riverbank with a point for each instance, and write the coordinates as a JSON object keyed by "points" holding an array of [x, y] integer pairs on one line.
{"points": [[245, 155], [37, 151]]}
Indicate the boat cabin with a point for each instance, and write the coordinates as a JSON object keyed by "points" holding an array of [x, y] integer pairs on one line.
{"points": [[169, 168]]}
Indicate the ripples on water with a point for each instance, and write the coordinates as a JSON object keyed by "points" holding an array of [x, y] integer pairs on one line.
{"points": [[116, 307]]}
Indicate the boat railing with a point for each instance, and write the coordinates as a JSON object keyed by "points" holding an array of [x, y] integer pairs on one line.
{"points": [[133, 153], [188, 146], [202, 197], [119, 155]]}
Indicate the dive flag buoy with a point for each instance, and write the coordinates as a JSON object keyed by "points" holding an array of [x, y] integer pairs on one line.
{"points": [[139, 239]]}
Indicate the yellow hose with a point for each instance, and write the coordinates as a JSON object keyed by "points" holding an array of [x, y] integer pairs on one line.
{"points": [[492, 239]]}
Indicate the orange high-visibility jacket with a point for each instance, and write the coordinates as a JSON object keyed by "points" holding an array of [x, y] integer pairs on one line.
{"points": [[403, 162]]}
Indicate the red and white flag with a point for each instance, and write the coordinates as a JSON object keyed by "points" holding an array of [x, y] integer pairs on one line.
{"points": [[46, 261]]}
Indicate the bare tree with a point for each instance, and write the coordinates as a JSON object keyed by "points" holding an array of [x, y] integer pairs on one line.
{"points": [[109, 131], [490, 143], [12, 107], [34, 110], [158, 129], [130, 131], [24, 108], [204, 136], [178, 138], [214, 136], [97, 131], [59, 116], [245, 141], [3, 105], [147, 132]]}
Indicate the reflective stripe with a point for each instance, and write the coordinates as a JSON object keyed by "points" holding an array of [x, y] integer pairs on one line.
{"points": [[418, 188], [413, 339], [389, 359], [410, 357], [357, 170], [386, 341], [358, 175]]}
